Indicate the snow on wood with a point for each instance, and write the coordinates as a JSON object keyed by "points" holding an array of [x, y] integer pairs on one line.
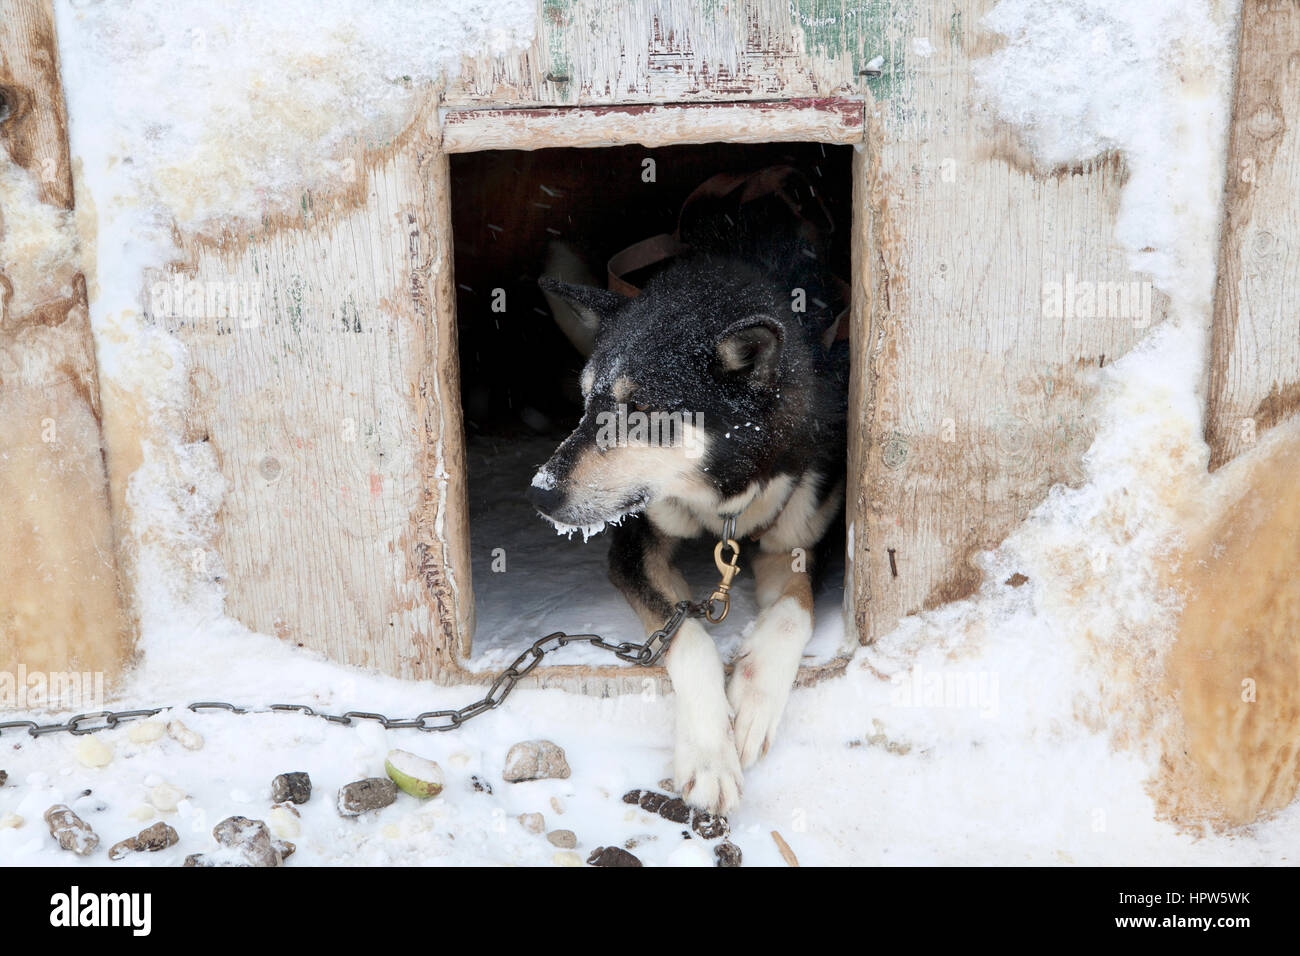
{"points": [[60, 605], [996, 290], [325, 379], [1255, 355], [825, 121]]}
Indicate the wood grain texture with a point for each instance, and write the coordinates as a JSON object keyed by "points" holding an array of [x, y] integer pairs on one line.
{"points": [[823, 121], [1254, 380], [60, 601], [332, 405], [975, 395], [668, 51]]}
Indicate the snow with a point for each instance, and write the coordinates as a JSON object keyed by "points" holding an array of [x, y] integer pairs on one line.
{"points": [[985, 731]]}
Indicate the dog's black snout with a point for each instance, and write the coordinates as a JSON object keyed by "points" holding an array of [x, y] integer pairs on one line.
{"points": [[545, 500]]}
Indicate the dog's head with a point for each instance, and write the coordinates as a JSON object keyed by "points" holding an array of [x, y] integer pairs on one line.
{"points": [[679, 392]]}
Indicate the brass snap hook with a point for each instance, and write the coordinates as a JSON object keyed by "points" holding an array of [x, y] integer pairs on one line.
{"points": [[728, 570]]}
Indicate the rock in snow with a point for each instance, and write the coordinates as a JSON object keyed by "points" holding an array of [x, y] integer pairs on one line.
{"points": [[243, 842], [612, 856], [362, 796], [293, 787], [184, 736], [149, 840], [535, 760], [93, 752], [532, 822], [72, 832], [564, 839], [728, 854]]}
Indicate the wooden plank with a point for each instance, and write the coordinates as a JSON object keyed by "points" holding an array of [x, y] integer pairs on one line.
{"points": [[60, 603], [330, 395], [668, 51], [976, 395], [1254, 379], [824, 121]]}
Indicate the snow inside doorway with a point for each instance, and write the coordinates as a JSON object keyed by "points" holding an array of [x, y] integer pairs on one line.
{"points": [[519, 375]]}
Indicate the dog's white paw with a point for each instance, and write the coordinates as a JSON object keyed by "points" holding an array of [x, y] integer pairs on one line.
{"points": [[707, 771], [764, 673]]}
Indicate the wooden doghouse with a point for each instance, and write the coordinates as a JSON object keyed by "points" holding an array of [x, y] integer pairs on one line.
{"points": [[338, 426]]}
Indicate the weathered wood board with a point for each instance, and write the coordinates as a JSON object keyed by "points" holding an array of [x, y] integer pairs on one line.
{"points": [[1254, 380], [329, 393], [60, 603], [987, 318], [676, 51]]}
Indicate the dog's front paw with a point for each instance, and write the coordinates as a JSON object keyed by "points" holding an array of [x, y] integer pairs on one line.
{"points": [[708, 773], [758, 691]]}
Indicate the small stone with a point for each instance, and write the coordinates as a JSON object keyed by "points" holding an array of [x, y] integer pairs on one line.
{"points": [[535, 760], [675, 810], [145, 732], [149, 840], [480, 786], [631, 843], [414, 774], [667, 784], [362, 796], [283, 822], [532, 822], [11, 821], [632, 796], [557, 806], [93, 752], [564, 839], [612, 856], [142, 812], [710, 827], [251, 840], [166, 797], [651, 801], [1016, 580], [566, 858], [72, 832], [728, 854], [3, 778], [184, 736], [293, 787]]}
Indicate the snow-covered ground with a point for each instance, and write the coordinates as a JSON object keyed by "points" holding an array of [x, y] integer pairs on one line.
{"points": [[986, 731]]}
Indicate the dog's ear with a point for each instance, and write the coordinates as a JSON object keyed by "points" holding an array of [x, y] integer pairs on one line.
{"points": [[579, 309], [752, 346]]}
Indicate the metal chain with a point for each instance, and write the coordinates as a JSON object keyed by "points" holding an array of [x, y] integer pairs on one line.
{"points": [[644, 655]]}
